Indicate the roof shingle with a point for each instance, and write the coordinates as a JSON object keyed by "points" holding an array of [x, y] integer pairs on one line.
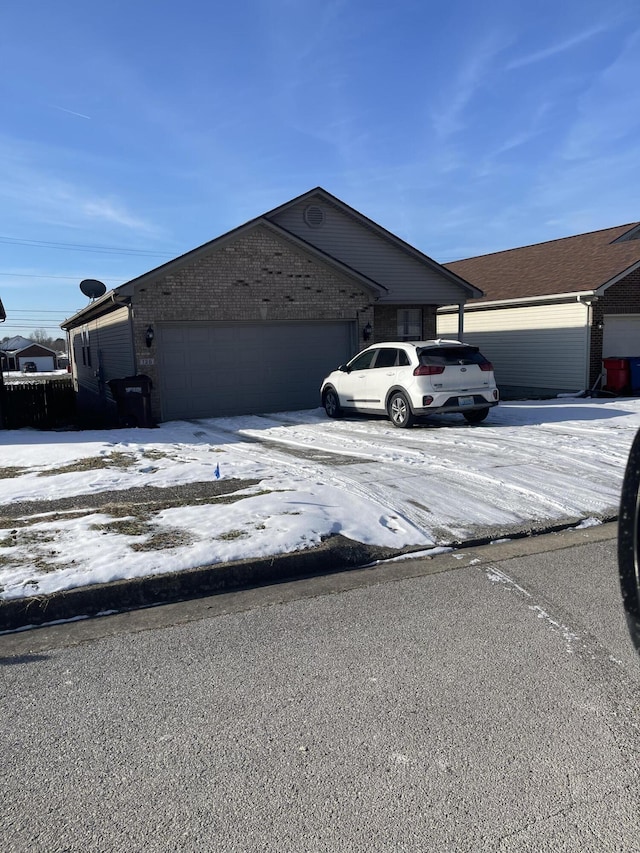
{"points": [[581, 263]]}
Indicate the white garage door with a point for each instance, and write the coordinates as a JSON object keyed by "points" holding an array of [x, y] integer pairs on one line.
{"points": [[42, 362], [216, 369], [621, 335]]}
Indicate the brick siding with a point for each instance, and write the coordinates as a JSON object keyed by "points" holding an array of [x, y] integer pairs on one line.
{"points": [[620, 298], [257, 277]]}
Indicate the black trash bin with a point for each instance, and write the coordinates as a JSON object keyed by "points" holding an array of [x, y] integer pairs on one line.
{"points": [[133, 399]]}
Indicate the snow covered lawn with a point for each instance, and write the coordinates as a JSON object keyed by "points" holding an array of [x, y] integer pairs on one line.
{"points": [[442, 481]]}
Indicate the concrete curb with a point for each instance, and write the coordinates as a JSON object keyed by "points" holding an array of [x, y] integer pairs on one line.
{"points": [[336, 554]]}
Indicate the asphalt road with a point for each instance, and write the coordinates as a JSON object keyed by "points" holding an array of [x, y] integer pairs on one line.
{"points": [[483, 701]]}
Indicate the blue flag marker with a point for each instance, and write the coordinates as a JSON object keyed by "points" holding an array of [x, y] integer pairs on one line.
{"points": [[217, 472]]}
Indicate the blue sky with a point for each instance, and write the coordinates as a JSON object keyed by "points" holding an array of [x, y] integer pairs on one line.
{"points": [[132, 132]]}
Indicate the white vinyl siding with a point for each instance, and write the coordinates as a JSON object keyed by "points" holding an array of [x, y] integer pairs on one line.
{"points": [[114, 345], [533, 346], [108, 350]]}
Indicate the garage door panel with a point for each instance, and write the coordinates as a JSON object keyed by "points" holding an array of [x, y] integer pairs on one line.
{"points": [[210, 370]]}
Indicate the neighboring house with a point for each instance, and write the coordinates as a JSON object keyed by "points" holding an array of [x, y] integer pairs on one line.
{"points": [[16, 351], [551, 312], [253, 320]]}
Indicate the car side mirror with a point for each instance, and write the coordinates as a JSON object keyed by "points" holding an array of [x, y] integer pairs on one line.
{"points": [[344, 368], [629, 541]]}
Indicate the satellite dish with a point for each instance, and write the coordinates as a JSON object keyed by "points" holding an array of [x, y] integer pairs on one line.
{"points": [[92, 288]]}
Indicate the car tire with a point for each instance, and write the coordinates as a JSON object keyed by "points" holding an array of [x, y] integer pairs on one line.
{"points": [[331, 403], [629, 541], [476, 417], [399, 411]]}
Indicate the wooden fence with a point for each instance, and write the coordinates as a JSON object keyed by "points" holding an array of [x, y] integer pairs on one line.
{"points": [[42, 405]]}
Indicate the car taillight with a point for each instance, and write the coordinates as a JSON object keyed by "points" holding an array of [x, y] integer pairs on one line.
{"points": [[486, 365], [428, 369]]}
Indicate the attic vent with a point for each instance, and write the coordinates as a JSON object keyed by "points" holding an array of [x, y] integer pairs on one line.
{"points": [[314, 216]]}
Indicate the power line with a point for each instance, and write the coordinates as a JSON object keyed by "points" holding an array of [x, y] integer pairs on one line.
{"points": [[4, 326], [22, 323], [67, 277], [83, 247]]}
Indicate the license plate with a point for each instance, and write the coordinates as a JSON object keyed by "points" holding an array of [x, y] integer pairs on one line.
{"points": [[465, 401]]}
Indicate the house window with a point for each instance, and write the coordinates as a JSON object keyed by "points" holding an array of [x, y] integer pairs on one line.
{"points": [[78, 346], [410, 324], [86, 347]]}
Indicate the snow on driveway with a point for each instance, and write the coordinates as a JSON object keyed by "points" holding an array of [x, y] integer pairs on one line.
{"points": [[530, 462]]}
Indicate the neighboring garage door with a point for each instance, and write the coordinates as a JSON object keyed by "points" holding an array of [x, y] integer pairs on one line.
{"points": [[215, 370], [621, 335], [42, 362]]}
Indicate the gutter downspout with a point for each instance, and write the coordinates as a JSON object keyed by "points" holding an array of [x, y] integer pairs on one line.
{"points": [[461, 321], [127, 304], [587, 301]]}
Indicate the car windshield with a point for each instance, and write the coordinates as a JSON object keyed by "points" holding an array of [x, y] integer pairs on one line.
{"points": [[451, 355]]}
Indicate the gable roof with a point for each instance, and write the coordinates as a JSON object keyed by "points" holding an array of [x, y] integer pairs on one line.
{"points": [[121, 295], [16, 343], [318, 193], [584, 263]]}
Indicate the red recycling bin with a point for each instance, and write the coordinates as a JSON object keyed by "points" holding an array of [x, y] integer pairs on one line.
{"points": [[618, 374]]}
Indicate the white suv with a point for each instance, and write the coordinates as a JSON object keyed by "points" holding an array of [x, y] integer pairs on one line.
{"points": [[410, 379]]}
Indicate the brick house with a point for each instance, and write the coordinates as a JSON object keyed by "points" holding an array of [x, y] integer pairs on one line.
{"points": [[253, 320], [553, 311], [18, 350]]}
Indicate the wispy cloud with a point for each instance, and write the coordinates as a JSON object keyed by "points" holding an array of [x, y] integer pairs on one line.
{"points": [[107, 210], [523, 136], [448, 116], [36, 194], [604, 115], [70, 112], [558, 47]]}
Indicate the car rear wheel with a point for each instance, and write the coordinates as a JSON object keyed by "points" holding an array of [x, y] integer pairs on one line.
{"points": [[399, 411], [477, 416], [331, 404]]}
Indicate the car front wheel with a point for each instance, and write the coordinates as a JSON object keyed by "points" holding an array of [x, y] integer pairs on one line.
{"points": [[477, 416], [331, 403], [400, 412]]}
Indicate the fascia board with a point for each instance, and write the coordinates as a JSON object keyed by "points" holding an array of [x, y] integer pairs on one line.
{"points": [[528, 300]]}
